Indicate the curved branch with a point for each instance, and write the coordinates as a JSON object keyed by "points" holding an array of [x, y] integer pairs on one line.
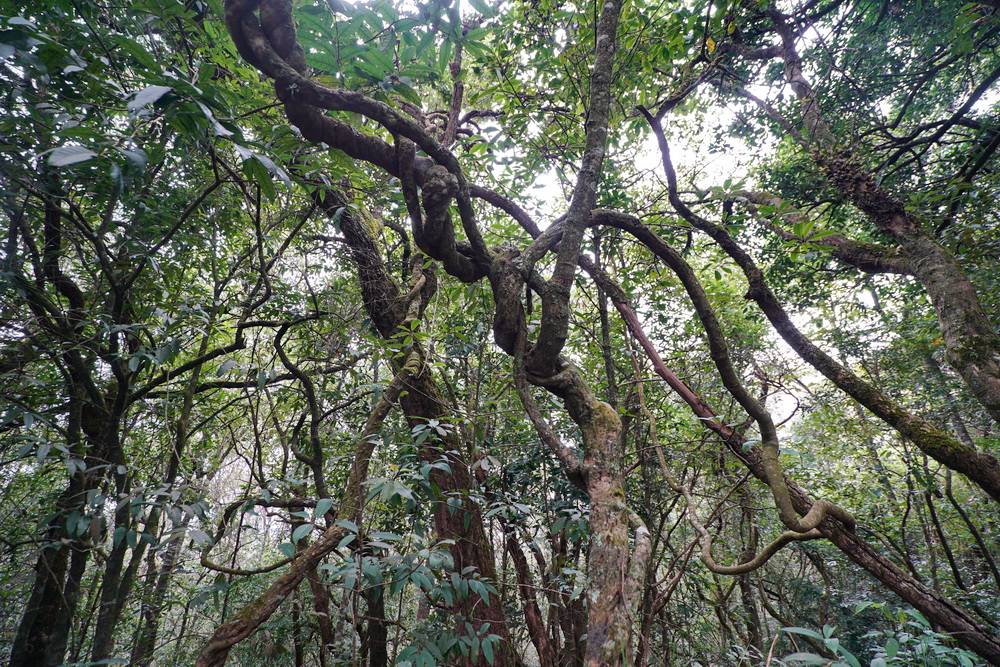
{"points": [[257, 612], [315, 460], [720, 355], [757, 561], [980, 468], [295, 90]]}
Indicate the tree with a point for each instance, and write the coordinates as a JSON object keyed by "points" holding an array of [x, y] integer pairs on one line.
{"points": [[332, 313]]}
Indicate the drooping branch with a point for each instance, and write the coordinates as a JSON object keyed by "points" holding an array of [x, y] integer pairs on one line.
{"points": [[981, 468], [758, 561], [720, 356], [970, 338]]}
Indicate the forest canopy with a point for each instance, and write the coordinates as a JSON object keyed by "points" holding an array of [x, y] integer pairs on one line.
{"points": [[495, 333]]}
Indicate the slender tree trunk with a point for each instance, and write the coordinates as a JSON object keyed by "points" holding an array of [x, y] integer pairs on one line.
{"points": [[377, 629], [982, 550], [142, 652], [43, 633], [532, 613], [71, 593], [113, 593], [943, 540], [297, 631], [609, 621], [321, 607]]}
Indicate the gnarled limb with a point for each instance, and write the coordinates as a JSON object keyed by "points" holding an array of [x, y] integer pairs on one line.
{"points": [[928, 601], [939, 609], [269, 44], [613, 592]]}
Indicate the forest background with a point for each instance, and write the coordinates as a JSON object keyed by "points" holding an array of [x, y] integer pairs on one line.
{"points": [[376, 333]]}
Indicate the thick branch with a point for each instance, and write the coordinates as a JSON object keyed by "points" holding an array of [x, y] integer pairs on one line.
{"points": [[867, 257], [971, 340], [555, 298]]}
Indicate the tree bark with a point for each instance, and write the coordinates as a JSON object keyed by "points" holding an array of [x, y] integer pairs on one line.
{"points": [[38, 628], [152, 608]]}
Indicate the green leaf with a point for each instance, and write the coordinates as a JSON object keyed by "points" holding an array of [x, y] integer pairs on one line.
{"points": [[226, 366], [301, 532], [487, 11], [349, 525], [807, 659], [804, 631], [421, 581], [480, 589], [67, 155], [148, 95], [850, 658], [200, 537], [323, 505], [388, 537], [137, 51], [407, 93], [487, 648]]}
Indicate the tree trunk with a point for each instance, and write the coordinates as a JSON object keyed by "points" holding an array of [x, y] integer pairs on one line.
{"points": [[472, 548], [152, 610], [609, 621], [113, 593], [38, 628], [43, 633], [55, 655], [377, 630]]}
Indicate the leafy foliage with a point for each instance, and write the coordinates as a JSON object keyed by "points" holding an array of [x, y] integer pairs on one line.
{"points": [[236, 349]]}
